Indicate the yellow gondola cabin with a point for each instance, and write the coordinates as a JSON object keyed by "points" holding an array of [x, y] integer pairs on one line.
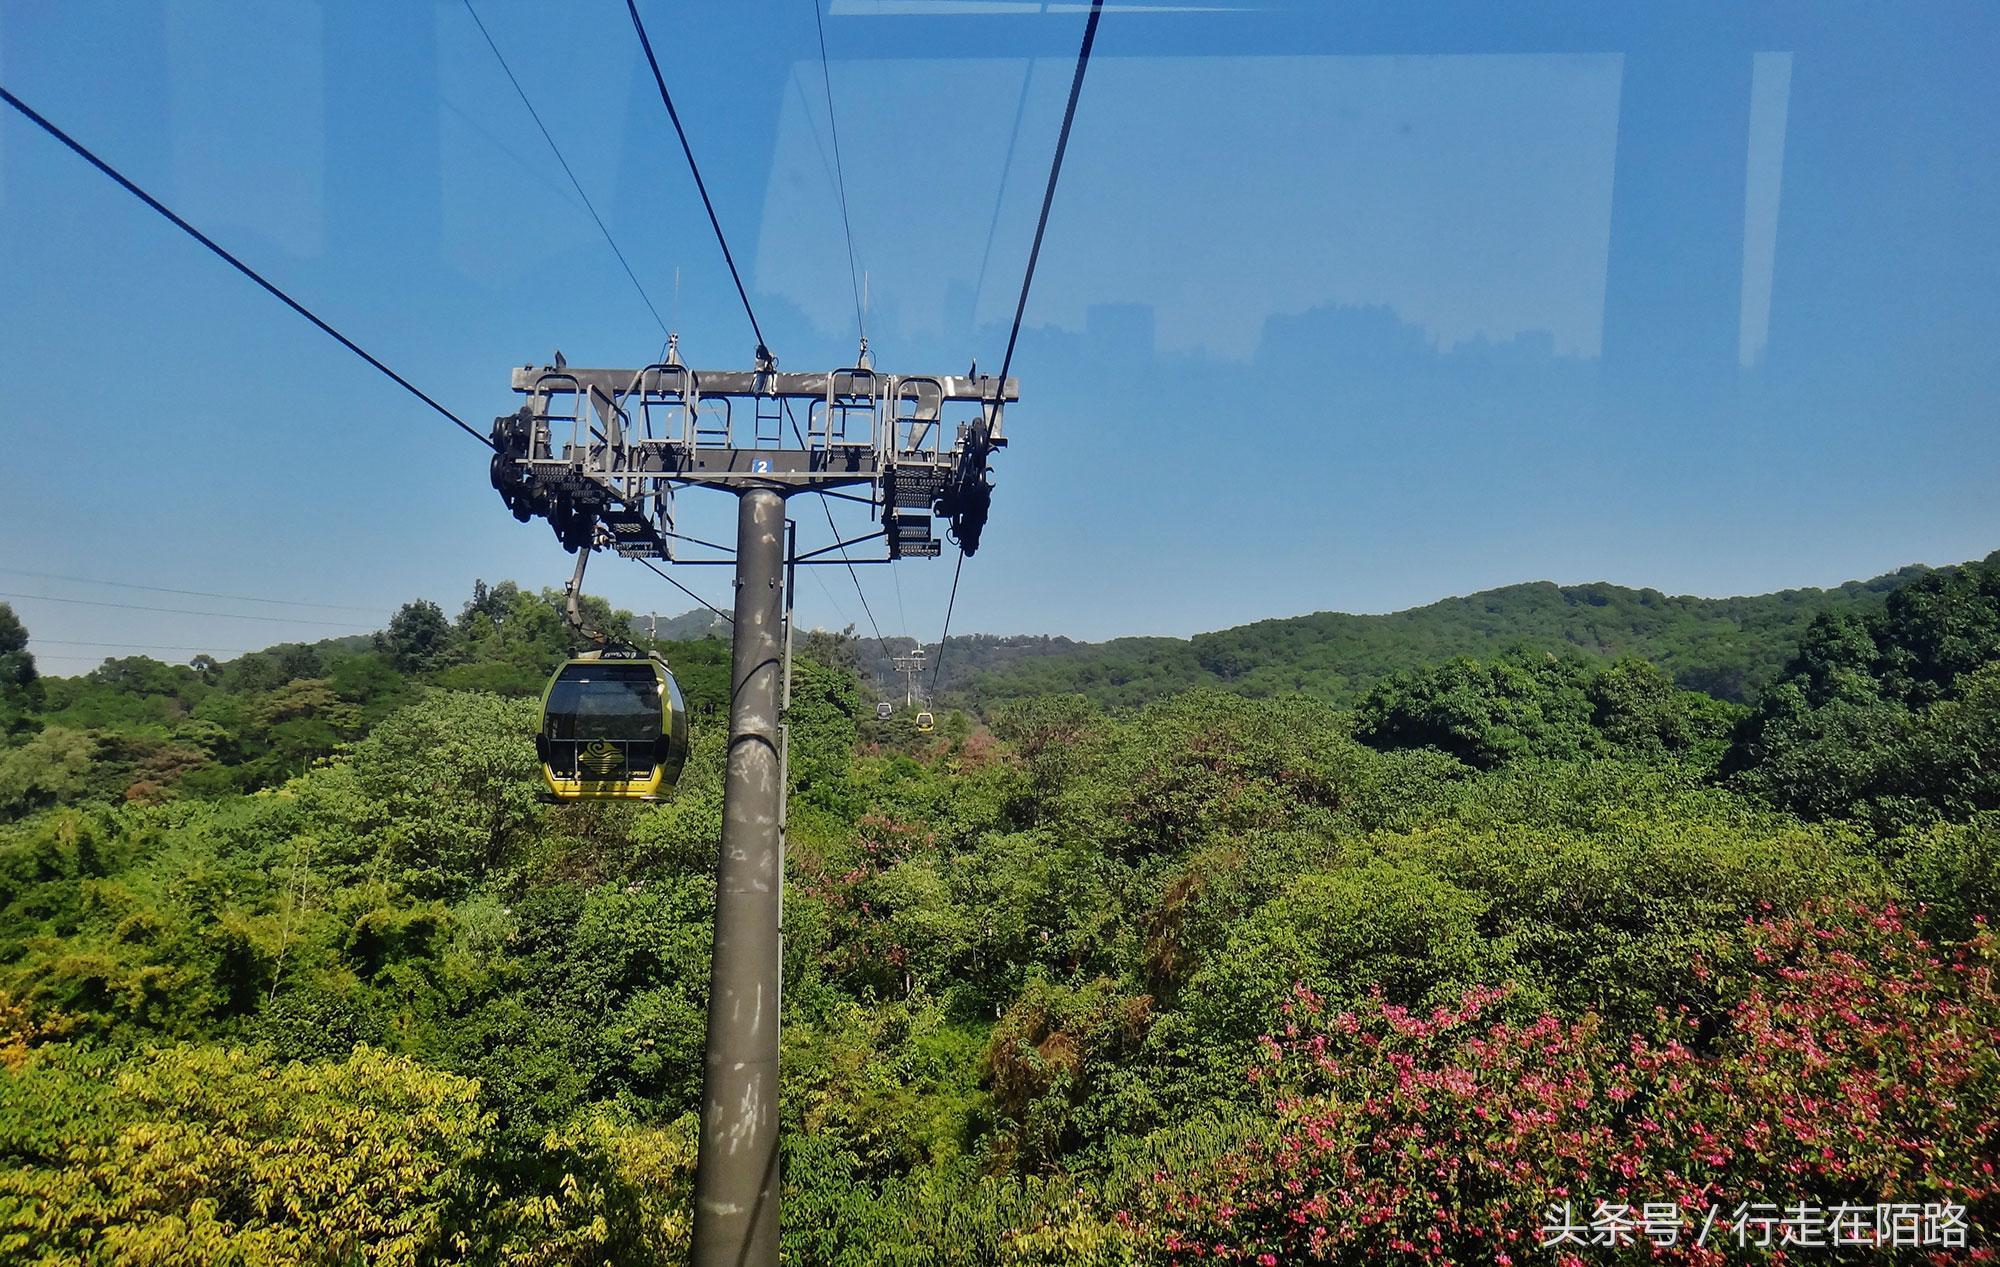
{"points": [[614, 727]]}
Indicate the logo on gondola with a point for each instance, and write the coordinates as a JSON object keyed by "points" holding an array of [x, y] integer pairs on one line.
{"points": [[600, 760]]}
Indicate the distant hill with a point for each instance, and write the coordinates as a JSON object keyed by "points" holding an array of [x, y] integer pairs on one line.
{"points": [[689, 626], [1728, 647]]}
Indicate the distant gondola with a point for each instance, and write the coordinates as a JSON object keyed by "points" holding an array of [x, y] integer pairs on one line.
{"points": [[884, 711], [614, 727]]}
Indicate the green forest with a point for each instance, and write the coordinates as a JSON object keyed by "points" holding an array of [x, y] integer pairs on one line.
{"points": [[1338, 939], [1727, 647]]}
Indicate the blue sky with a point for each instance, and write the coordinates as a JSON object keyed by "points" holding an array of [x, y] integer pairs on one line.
{"points": [[1342, 306]]}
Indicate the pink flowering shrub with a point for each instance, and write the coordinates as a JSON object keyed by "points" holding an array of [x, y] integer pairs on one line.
{"points": [[1859, 1060], [1852, 1061]]}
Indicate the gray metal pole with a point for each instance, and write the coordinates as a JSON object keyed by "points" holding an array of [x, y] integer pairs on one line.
{"points": [[736, 1177]]}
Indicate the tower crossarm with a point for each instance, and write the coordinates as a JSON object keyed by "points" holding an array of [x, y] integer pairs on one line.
{"points": [[609, 447], [954, 388]]}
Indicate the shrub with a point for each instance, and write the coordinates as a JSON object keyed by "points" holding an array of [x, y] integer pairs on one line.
{"points": [[1855, 1063], [616, 1193], [205, 1155], [455, 775]]}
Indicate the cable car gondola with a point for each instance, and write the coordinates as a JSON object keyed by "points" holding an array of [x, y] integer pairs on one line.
{"points": [[884, 711], [614, 727], [924, 723]]}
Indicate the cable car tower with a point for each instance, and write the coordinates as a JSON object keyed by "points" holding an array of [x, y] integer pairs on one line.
{"points": [[911, 666], [601, 454]]}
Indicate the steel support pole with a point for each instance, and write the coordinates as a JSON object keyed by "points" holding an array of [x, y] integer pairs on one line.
{"points": [[736, 1177]]}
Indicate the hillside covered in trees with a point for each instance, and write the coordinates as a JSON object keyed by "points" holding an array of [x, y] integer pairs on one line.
{"points": [[296, 967], [1727, 647]]}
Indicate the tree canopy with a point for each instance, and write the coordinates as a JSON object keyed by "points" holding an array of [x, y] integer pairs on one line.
{"points": [[297, 966]]}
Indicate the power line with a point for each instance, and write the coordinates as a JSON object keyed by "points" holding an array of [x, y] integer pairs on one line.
{"points": [[685, 590], [938, 671], [838, 610], [852, 575], [123, 646], [603, 229], [902, 613], [1028, 278], [797, 80], [78, 148], [557, 151], [700, 185], [162, 589], [1000, 194], [860, 317], [826, 508], [722, 240], [182, 611], [840, 175], [539, 170]]}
